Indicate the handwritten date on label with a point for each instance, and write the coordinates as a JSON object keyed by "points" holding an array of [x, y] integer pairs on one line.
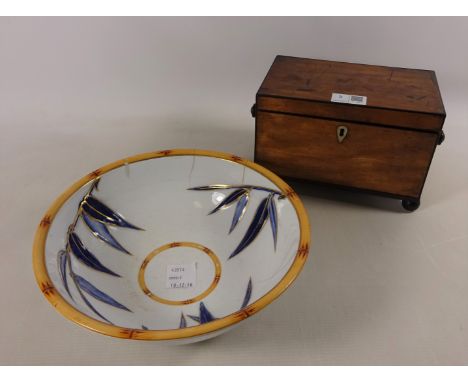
{"points": [[181, 276]]}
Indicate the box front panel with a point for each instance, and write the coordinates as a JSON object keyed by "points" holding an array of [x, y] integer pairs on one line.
{"points": [[375, 158]]}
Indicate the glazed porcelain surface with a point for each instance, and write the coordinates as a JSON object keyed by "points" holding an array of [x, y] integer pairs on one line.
{"points": [[180, 244]]}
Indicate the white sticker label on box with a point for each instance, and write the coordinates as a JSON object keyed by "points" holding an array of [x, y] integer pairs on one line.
{"points": [[342, 98], [348, 98], [181, 276]]}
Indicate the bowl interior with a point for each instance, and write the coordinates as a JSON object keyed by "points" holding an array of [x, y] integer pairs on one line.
{"points": [[171, 242]]}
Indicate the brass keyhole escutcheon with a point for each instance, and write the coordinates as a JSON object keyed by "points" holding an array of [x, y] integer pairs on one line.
{"points": [[341, 132]]}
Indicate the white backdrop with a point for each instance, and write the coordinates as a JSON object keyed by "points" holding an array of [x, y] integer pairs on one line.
{"points": [[381, 286]]}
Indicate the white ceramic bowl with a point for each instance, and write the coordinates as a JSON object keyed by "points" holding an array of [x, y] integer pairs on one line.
{"points": [[172, 245]]}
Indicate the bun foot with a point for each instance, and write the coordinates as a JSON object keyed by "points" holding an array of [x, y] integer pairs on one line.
{"points": [[410, 205]]}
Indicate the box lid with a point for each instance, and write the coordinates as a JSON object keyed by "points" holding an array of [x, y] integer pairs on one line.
{"points": [[395, 96]]}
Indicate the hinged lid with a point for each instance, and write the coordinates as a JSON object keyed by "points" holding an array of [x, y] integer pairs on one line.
{"points": [[390, 96]]}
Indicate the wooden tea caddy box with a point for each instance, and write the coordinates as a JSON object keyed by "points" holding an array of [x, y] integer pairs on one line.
{"points": [[365, 127]]}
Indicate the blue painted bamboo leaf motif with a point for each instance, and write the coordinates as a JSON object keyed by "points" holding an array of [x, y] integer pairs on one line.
{"points": [[101, 231], [90, 306], [266, 210], [86, 256], [62, 260], [241, 207], [96, 216], [248, 294], [205, 315], [255, 227], [104, 214], [83, 297], [90, 289], [183, 322], [272, 213], [211, 187], [230, 186], [231, 198], [195, 318]]}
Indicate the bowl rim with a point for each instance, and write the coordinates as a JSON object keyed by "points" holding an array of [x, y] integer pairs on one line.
{"points": [[70, 312]]}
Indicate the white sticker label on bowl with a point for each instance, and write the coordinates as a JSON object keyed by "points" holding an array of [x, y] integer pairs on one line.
{"points": [[348, 98], [181, 276]]}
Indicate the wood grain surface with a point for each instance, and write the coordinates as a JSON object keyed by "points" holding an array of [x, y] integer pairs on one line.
{"points": [[385, 87], [374, 158], [346, 112]]}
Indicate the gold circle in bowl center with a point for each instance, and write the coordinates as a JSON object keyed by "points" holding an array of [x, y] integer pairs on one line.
{"points": [[157, 251]]}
